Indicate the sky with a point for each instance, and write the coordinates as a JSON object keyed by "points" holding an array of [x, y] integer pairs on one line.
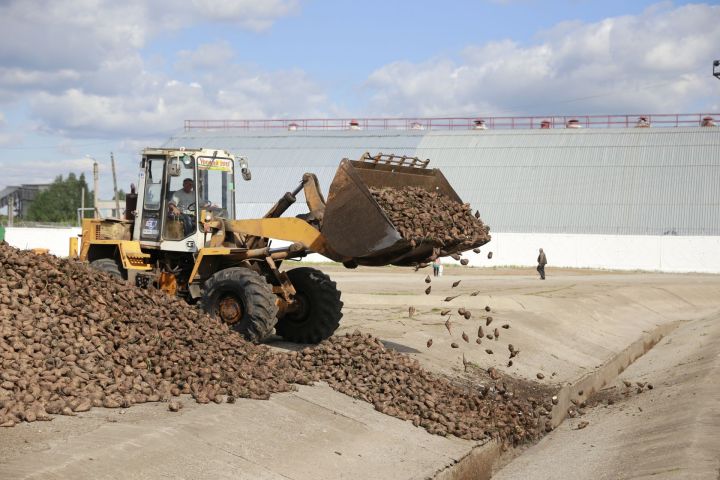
{"points": [[80, 79]]}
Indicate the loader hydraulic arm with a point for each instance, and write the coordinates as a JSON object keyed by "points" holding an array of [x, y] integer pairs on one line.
{"points": [[290, 229], [313, 197], [315, 202]]}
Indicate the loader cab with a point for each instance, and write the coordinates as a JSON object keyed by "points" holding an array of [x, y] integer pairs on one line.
{"points": [[177, 187]]}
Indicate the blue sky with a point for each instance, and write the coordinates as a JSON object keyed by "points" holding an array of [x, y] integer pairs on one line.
{"points": [[92, 76]]}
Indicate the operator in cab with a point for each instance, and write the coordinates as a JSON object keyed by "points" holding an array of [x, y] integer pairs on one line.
{"points": [[181, 203]]}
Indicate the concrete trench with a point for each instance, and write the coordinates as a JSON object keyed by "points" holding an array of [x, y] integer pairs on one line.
{"points": [[576, 332], [481, 461], [330, 425]]}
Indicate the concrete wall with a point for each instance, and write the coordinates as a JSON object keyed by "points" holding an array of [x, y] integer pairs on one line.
{"points": [[57, 240], [621, 252]]}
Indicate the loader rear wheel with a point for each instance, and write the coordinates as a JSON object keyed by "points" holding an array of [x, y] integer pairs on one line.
{"points": [[109, 266], [244, 300], [319, 308]]}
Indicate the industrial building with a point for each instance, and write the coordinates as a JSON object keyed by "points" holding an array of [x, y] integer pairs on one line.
{"points": [[18, 198], [594, 192]]}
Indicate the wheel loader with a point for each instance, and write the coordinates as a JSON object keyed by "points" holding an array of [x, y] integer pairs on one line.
{"points": [[180, 234]]}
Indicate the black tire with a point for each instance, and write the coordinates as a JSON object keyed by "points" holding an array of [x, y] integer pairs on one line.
{"points": [[244, 300], [109, 266], [320, 308]]}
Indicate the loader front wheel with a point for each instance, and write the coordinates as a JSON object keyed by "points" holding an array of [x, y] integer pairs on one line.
{"points": [[318, 311], [109, 266], [244, 300]]}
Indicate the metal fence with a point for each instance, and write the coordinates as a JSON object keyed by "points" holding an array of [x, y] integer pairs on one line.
{"points": [[462, 123]]}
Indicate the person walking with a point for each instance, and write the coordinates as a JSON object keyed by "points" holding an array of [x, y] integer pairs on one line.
{"points": [[436, 267], [542, 261]]}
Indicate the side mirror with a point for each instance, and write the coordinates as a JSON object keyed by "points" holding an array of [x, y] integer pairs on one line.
{"points": [[245, 169]]}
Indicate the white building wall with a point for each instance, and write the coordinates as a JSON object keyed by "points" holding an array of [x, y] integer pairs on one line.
{"points": [[615, 252]]}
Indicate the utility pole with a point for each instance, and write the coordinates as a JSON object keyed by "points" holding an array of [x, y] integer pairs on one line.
{"points": [[95, 189], [82, 206], [11, 209], [115, 190]]}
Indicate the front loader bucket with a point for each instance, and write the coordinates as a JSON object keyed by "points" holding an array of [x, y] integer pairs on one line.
{"points": [[355, 226]]}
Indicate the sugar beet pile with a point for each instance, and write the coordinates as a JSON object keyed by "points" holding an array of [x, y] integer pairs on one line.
{"points": [[72, 338], [420, 215]]}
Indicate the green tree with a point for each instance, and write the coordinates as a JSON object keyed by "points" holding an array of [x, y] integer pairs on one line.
{"points": [[59, 203]]}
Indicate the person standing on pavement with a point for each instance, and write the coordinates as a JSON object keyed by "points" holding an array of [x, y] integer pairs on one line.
{"points": [[436, 267], [542, 261]]}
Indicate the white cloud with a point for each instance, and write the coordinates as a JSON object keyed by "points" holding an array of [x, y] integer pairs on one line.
{"points": [[160, 106], [15, 173], [45, 44], [657, 61], [251, 14], [92, 80], [79, 67]]}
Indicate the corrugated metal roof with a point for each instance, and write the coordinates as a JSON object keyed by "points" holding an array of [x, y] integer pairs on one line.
{"points": [[626, 181]]}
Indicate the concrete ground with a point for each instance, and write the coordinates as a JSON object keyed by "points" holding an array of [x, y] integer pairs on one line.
{"points": [[312, 433], [668, 432], [565, 327]]}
